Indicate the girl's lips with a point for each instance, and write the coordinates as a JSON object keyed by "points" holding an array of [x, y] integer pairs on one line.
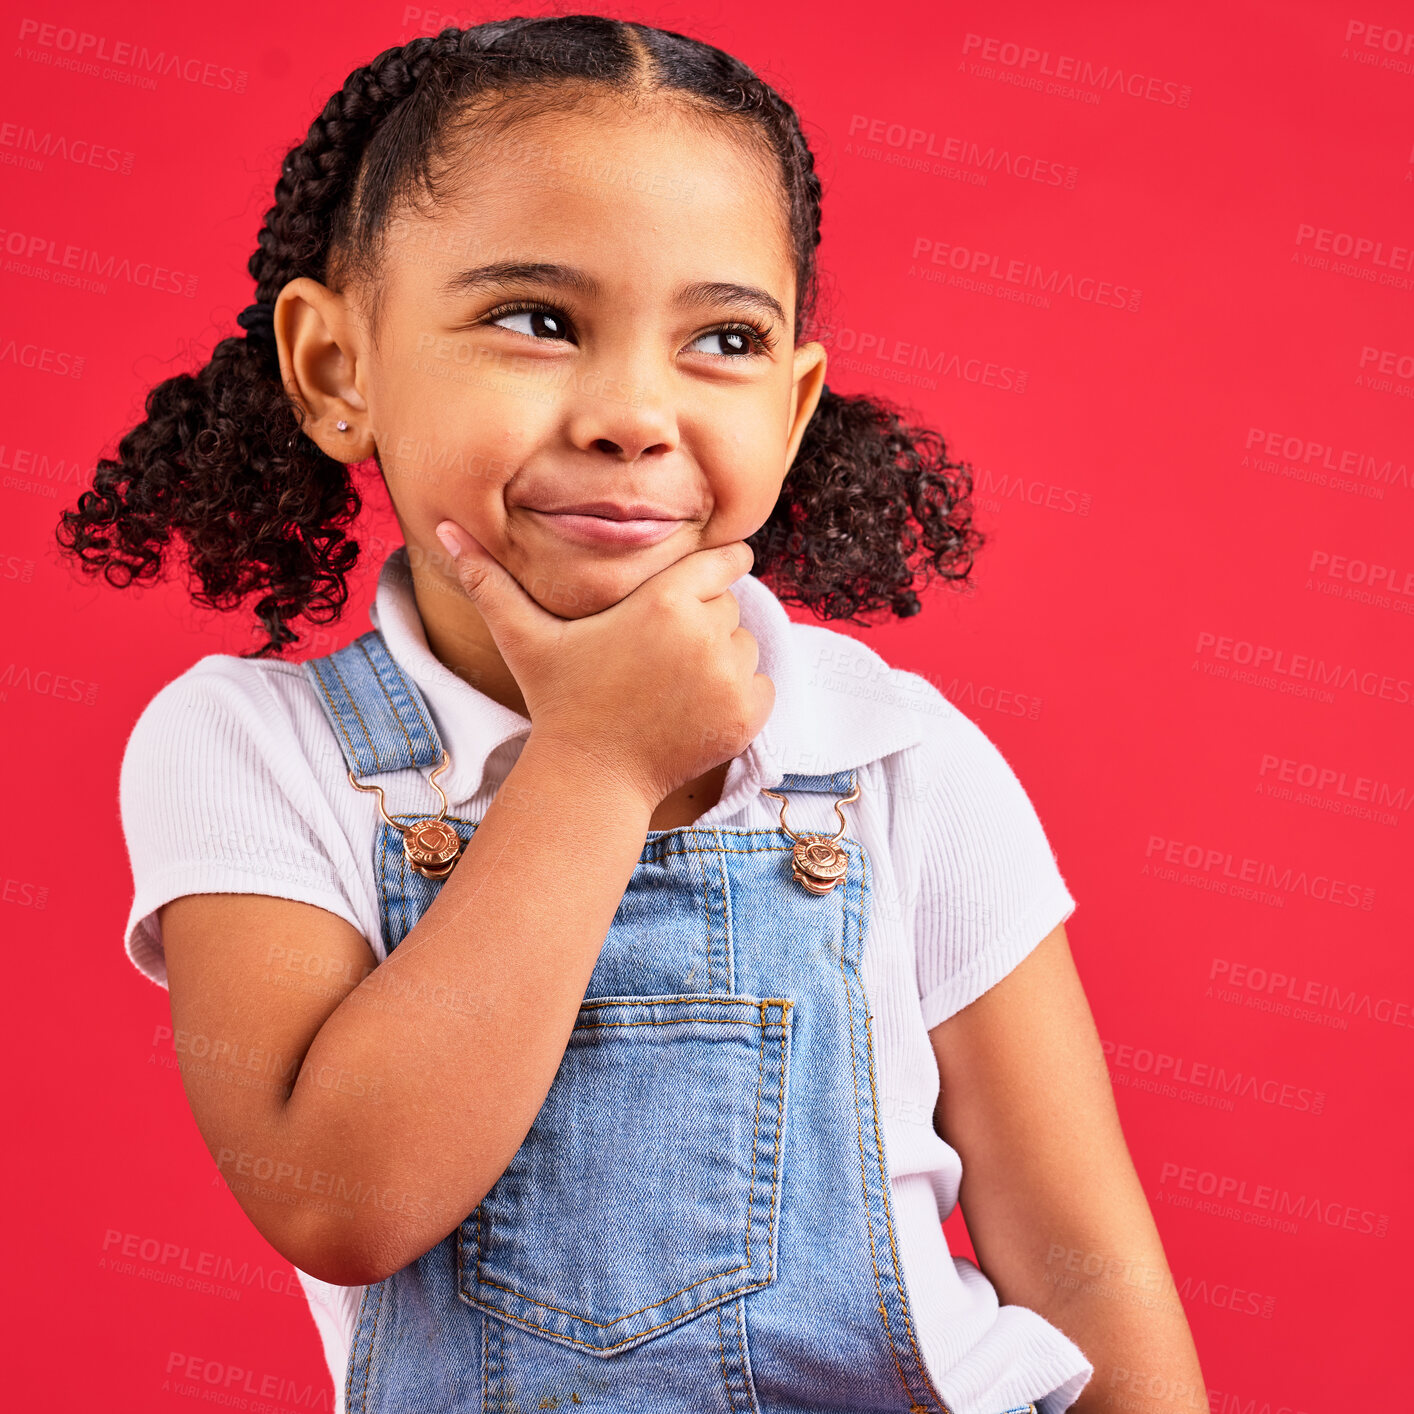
{"points": [[600, 530]]}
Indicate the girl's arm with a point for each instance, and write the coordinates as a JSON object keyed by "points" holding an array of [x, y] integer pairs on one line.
{"points": [[416, 1081], [1053, 1205]]}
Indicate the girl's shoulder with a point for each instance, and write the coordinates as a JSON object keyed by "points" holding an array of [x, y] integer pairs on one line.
{"points": [[224, 719], [230, 784], [949, 789], [222, 692], [970, 866]]}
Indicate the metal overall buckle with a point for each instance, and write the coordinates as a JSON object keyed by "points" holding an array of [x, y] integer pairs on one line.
{"points": [[431, 846], [817, 862]]}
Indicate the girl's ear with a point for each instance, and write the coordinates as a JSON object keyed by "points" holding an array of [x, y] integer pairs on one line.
{"points": [[809, 376], [322, 364]]}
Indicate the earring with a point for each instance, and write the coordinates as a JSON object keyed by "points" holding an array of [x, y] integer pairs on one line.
{"points": [[342, 425]]}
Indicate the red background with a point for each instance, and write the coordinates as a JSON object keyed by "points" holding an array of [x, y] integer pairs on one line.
{"points": [[1147, 538]]}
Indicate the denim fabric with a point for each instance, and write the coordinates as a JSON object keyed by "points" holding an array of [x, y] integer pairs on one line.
{"points": [[699, 1218]]}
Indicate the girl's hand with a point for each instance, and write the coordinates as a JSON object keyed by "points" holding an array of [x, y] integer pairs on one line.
{"points": [[658, 688]]}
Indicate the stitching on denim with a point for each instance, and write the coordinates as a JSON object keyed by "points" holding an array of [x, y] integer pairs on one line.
{"points": [[403, 928], [747, 1383], [348, 1374], [719, 849], [756, 1164], [373, 1336], [657, 856], [724, 849], [728, 939], [716, 1276], [676, 1021], [722, 1351], [485, 1341], [780, 1108], [863, 1170], [361, 644], [412, 694], [380, 864], [501, 1366], [353, 703], [707, 914], [860, 893], [879, 1146], [785, 1006], [326, 693], [528, 1324], [696, 998], [373, 1339], [756, 1128]]}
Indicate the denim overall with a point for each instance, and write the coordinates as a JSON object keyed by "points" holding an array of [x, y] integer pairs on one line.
{"points": [[699, 1219]]}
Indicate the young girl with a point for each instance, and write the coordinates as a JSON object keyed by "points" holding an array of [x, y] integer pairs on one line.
{"points": [[565, 969]]}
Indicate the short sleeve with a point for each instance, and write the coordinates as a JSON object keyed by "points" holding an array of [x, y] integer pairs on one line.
{"points": [[989, 887], [215, 796]]}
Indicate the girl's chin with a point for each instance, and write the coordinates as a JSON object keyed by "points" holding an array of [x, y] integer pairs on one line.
{"points": [[575, 586]]}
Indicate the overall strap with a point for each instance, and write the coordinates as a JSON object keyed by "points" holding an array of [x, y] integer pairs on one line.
{"points": [[376, 710], [832, 783]]}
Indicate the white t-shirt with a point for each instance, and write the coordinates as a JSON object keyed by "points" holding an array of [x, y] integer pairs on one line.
{"points": [[233, 782]]}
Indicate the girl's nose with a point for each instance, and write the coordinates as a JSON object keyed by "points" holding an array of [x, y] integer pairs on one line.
{"points": [[625, 420]]}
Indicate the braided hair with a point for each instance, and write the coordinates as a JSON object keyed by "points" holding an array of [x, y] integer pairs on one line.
{"points": [[261, 510]]}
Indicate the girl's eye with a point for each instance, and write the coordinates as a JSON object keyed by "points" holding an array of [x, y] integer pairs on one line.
{"points": [[736, 341], [541, 321]]}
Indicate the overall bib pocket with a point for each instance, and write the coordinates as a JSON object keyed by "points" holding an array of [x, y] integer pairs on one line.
{"points": [[649, 1187]]}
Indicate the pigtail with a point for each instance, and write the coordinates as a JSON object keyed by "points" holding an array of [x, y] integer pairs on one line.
{"points": [[867, 492], [220, 462]]}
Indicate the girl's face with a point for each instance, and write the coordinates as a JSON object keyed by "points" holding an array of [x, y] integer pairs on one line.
{"points": [[598, 327]]}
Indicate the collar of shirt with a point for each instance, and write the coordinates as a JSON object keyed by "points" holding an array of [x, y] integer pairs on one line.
{"points": [[838, 704]]}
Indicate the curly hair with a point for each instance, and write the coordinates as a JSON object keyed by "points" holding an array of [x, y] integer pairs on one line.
{"points": [[221, 459]]}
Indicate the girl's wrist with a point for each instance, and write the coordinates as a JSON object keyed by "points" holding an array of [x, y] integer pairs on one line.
{"points": [[579, 769]]}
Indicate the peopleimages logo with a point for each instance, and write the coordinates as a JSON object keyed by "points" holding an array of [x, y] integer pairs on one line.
{"points": [[1212, 1076], [122, 1251], [1335, 781], [36, 470], [43, 359], [101, 56], [969, 268], [1357, 257], [41, 256], [902, 361], [1396, 579], [1379, 45], [1322, 457], [1268, 661], [25, 147], [1225, 872], [1273, 984], [906, 145], [1263, 1198], [992, 491], [1038, 64], [216, 1382]]}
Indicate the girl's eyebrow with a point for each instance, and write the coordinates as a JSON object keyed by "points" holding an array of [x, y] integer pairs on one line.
{"points": [[512, 272]]}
